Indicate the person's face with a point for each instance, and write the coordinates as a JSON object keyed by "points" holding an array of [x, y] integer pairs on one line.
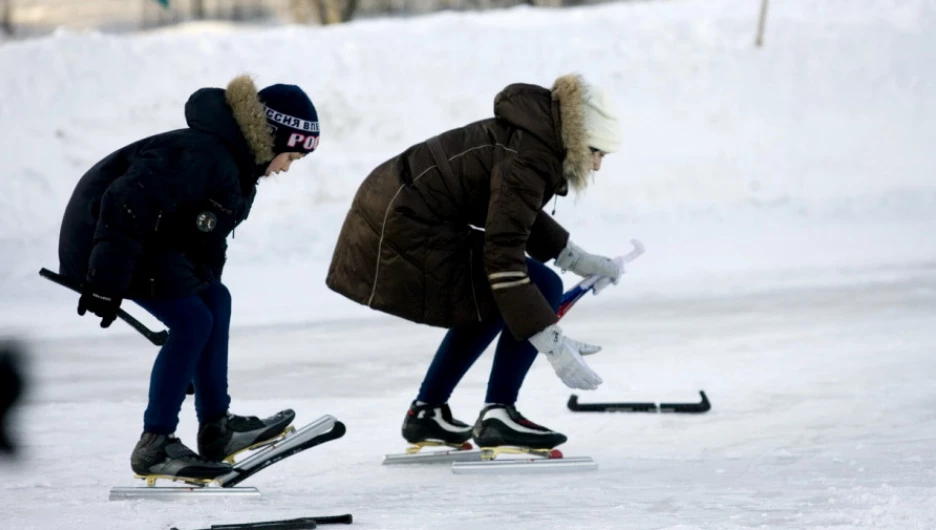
{"points": [[281, 163], [597, 157]]}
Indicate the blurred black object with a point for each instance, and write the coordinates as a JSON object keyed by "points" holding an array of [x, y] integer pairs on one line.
{"points": [[302, 523], [11, 389]]}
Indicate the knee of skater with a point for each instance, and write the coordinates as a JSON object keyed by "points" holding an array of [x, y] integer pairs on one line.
{"points": [[197, 325], [221, 296]]}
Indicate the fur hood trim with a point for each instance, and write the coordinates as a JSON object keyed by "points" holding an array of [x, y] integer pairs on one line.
{"points": [[569, 92], [242, 97]]}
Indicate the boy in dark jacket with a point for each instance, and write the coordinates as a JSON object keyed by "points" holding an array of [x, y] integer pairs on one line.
{"points": [[411, 246], [150, 222]]}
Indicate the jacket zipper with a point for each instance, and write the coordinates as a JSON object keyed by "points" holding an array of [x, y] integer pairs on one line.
{"points": [[219, 206]]}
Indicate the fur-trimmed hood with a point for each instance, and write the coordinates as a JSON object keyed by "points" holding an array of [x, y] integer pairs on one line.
{"points": [[557, 117], [242, 97], [568, 93], [236, 115]]}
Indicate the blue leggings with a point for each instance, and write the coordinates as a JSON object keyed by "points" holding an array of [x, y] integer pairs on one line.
{"points": [[197, 350], [464, 344]]}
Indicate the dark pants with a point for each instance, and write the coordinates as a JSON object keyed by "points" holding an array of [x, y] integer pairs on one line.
{"points": [[464, 344], [197, 351]]}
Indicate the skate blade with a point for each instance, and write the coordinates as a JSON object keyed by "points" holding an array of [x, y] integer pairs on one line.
{"points": [[179, 492], [326, 427], [490, 453], [194, 482], [526, 465], [418, 446], [459, 453], [232, 458]]}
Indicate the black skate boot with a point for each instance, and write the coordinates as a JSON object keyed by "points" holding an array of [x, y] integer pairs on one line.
{"points": [[230, 434], [160, 455], [434, 423], [502, 425]]}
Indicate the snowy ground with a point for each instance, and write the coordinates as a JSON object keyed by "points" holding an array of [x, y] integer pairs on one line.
{"points": [[823, 417], [755, 150], [785, 196]]}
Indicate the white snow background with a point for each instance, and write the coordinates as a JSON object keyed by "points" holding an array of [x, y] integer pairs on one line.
{"points": [[786, 196]]}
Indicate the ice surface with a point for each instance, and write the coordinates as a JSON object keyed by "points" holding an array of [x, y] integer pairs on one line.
{"points": [[823, 417]]}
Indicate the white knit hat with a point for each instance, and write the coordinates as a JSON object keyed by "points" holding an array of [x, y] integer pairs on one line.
{"points": [[602, 127]]}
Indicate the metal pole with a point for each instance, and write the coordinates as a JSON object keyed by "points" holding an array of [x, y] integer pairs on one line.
{"points": [[6, 19], [759, 42]]}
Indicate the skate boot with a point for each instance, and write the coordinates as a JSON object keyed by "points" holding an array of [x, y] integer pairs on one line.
{"points": [[230, 434], [164, 456], [434, 425], [501, 425]]}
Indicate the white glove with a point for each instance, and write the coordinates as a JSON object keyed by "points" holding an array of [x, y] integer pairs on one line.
{"points": [[606, 281], [565, 355], [575, 259]]}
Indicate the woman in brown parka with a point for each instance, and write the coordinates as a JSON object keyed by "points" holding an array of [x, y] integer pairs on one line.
{"points": [[440, 235]]}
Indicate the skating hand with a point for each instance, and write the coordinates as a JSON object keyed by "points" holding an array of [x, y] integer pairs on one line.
{"points": [[565, 356], [101, 305], [605, 281], [575, 259]]}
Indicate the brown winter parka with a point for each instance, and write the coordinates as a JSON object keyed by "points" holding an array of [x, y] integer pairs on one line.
{"points": [[439, 234]]}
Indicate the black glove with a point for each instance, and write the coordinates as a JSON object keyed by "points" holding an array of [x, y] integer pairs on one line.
{"points": [[101, 305]]}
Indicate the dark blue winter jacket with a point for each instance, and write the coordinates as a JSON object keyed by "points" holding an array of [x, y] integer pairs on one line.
{"points": [[151, 220]]}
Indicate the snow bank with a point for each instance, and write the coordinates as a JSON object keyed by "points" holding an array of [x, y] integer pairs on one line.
{"points": [[811, 153]]}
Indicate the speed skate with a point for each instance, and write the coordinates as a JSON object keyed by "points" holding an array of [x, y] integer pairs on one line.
{"points": [[466, 459], [291, 442]]}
